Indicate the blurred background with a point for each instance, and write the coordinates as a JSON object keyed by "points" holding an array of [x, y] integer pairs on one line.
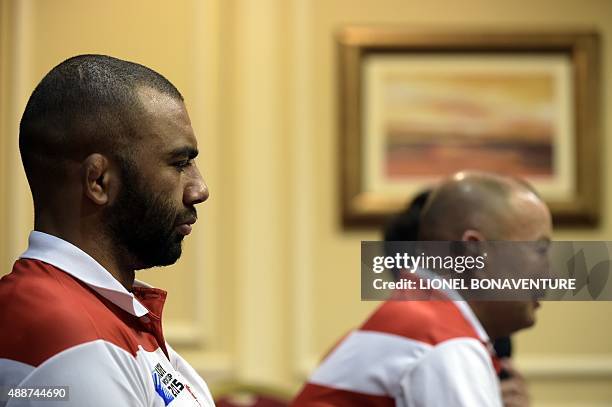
{"points": [[269, 278]]}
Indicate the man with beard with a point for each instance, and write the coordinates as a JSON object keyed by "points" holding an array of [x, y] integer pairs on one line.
{"points": [[108, 149]]}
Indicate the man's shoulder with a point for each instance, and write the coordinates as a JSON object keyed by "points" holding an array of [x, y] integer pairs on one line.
{"points": [[35, 288], [44, 311], [430, 322]]}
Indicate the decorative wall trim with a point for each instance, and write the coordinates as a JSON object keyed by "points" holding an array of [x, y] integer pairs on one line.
{"points": [[212, 366], [563, 366], [183, 334], [19, 205], [204, 112], [302, 233], [257, 136]]}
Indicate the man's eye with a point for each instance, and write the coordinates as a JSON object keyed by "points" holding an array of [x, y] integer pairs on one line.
{"points": [[181, 165]]}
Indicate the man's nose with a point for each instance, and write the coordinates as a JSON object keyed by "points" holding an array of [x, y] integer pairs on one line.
{"points": [[196, 190]]}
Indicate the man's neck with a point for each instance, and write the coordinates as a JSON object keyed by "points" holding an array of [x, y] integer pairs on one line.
{"points": [[480, 310], [100, 249]]}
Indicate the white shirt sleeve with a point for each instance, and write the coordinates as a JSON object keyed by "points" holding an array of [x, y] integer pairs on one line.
{"points": [[458, 373], [95, 373]]}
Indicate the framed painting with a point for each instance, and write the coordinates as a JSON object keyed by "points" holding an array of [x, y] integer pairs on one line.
{"points": [[416, 107]]}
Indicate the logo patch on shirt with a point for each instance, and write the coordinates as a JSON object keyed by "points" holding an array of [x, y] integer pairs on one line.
{"points": [[166, 386]]}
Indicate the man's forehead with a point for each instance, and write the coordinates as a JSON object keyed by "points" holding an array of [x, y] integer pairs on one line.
{"points": [[151, 98], [156, 103], [165, 121], [525, 198], [530, 211]]}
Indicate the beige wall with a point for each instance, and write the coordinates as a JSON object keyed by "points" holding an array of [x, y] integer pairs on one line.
{"points": [[268, 281]]}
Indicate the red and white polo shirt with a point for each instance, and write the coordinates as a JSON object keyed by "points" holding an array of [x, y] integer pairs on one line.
{"points": [[66, 321], [409, 354]]}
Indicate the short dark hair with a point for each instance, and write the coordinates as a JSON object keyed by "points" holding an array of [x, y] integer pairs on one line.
{"points": [[86, 104], [405, 225]]}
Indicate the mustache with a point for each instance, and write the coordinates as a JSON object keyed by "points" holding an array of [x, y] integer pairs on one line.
{"points": [[190, 216]]}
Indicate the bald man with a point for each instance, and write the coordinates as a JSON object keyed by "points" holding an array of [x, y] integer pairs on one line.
{"points": [[108, 151], [438, 353]]}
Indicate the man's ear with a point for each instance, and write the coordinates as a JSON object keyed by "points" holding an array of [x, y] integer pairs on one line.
{"points": [[474, 242], [96, 178], [472, 235]]}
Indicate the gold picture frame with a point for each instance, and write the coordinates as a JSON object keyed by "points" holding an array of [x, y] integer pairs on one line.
{"points": [[525, 102]]}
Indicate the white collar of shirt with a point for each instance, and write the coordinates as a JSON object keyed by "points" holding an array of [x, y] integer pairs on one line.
{"points": [[74, 261], [460, 303]]}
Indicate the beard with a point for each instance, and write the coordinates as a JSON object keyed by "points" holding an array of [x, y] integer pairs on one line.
{"points": [[142, 225]]}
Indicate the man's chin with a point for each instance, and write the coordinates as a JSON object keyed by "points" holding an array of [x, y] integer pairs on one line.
{"points": [[530, 315], [530, 322], [169, 257]]}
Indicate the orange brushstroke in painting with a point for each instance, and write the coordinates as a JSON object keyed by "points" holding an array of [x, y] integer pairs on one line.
{"points": [[437, 124]]}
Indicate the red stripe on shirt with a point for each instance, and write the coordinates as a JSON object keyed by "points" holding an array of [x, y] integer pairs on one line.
{"points": [[314, 395], [44, 311]]}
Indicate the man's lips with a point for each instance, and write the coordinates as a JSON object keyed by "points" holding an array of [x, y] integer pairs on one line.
{"points": [[184, 228]]}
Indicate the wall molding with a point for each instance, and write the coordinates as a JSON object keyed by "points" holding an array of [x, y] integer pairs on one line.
{"points": [[205, 111], [19, 203], [597, 366], [183, 334], [212, 366], [302, 233], [257, 137]]}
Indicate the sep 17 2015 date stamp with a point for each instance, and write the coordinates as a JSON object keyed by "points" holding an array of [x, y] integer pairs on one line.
{"points": [[51, 393]]}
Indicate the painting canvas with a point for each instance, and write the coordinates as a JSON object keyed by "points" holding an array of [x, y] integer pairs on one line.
{"points": [[427, 117], [415, 107]]}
